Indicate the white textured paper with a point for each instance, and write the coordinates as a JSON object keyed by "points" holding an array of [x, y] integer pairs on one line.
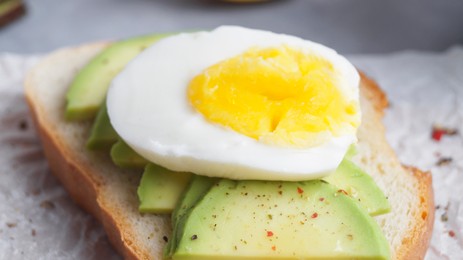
{"points": [[37, 218], [39, 221]]}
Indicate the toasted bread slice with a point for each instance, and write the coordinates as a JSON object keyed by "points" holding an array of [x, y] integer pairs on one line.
{"points": [[109, 193]]}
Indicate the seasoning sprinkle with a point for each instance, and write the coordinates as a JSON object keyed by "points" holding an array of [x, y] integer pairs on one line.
{"points": [[194, 237], [274, 248], [269, 233], [343, 191], [46, 204], [438, 132], [321, 199], [444, 217], [314, 215], [22, 125], [165, 239], [11, 225], [444, 161], [299, 190], [451, 233]]}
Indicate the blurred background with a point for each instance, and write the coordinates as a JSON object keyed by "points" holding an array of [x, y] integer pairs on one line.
{"points": [[349, 26]]}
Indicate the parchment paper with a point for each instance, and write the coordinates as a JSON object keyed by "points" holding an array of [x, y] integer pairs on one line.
{"points": [[39, 221]]}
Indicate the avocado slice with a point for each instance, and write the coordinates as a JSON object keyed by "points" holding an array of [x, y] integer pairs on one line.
{"points": [[349, 178], [102, 135], [90, 85], [160, 189], [351, 152], [278, 220], [125, 157], [196, 190]]}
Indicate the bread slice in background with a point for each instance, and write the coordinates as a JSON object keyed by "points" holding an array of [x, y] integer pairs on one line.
{"points": [[109, 193]]}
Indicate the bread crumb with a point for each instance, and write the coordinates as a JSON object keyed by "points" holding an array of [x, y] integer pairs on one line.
{"points": [[11, 225], [444, 161], [444, 217], [46, 204], [23, 125]]}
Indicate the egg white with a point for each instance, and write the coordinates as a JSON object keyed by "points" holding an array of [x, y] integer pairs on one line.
{"points": [[148, 107]]}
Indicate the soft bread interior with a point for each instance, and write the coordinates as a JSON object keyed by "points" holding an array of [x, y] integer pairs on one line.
{"points": [[109, 193]]}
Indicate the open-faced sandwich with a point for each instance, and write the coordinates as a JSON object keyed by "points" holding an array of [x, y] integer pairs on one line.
{"points": [[229, 144]]}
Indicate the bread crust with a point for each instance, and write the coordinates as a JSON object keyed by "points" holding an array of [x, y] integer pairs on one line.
{"points": [[416, 243], [85, 189], [373, 92]]}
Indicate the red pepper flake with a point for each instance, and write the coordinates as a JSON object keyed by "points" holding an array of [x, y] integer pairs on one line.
{"points": [[299, 190], [451, 233], [314, 215], [343, 191], [274, 248], [438, 132], [321, 199], [269, 233]]}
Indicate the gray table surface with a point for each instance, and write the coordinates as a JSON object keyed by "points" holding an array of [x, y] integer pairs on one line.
{"points": [[350, 26]]}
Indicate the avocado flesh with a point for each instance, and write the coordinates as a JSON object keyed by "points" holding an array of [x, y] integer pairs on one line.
{"points": [[125, 157], [102, 135], [360, 186], [197, 188], [195, 191], [351, 152], [275, 220], [160, 189], [90, 85]]}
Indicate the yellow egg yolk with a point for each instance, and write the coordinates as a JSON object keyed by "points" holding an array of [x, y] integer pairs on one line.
{"points": [[277, 95]]}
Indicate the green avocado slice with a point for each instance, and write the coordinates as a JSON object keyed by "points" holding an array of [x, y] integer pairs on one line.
{"points": [[278, 220], [125, 157], [196, 190], [160, 189], [352, 180], [102, 135], [90, 85]]}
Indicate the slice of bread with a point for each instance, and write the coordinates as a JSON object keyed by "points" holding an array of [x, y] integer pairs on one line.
{"points": [[109, 193]]}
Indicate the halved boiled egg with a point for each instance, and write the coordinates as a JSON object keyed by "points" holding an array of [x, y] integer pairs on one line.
{"points": [[238, 103]]}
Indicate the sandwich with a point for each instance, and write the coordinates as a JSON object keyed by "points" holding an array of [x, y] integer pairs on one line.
{"points": [[228, 144]]}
